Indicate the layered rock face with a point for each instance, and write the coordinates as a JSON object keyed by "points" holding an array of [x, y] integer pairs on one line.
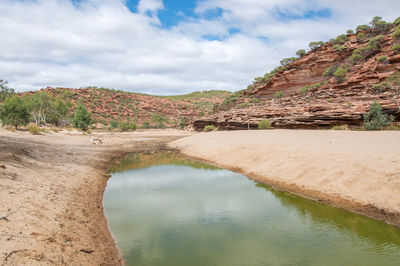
{"points": [[325, 105]]}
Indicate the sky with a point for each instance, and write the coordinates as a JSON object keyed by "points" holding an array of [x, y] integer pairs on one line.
{"points": [[165, 47]]}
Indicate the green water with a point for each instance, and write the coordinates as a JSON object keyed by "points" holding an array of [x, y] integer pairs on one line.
{"points": [[171, 211]]}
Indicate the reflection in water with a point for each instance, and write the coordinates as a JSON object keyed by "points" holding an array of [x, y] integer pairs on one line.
{"points": [[168, 213]]}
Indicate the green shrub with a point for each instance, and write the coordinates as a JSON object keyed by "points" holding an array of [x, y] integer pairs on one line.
{"points": [[34, 130], [231, 100], [356, 57], [341, 39], [376, 41], [396, 47], [243, 105], [264, 124], [126, 126], [360, 36], [255, 100], [113, 124], [363, 28], [278, 94], [287, 61], [250, 88], [339, 48], [340, 73], [315, 45], [330, 70], [301, 53], [350, 32], [374, 119], [81, 118], [145, 124], [158, 118], [379, 88], [382, 58], [182, 122], [396, 34], [304, 90], [14, 112], [209, 128]]}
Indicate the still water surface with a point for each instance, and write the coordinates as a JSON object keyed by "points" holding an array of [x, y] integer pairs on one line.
{"points": [[166, 210]]}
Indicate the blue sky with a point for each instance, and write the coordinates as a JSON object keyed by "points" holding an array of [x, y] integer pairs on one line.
{"points": [[165, 47]]}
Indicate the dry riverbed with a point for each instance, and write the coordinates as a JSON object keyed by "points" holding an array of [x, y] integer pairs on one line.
{"points": [[358, 171], [51, 189]]}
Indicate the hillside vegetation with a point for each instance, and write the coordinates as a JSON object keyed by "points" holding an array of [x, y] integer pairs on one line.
{"points": [[117, 109]]}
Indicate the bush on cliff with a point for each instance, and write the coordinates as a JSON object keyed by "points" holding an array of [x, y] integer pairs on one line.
{"points": [[363, 28], [382, 58], [396, 33], [278, 94], [340, 74], [301, 53], [315, 45], [374, 119], [360, 36], [330, 70], [341, 39], [289, 60], [82, 118], [396, 47]]}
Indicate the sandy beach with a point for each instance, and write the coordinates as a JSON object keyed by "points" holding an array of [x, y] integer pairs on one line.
{"points": [[51, 191], [358, 171]]}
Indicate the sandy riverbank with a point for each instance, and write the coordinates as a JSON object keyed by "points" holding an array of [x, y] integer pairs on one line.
{"points": [[358, 171], [51, 190]]}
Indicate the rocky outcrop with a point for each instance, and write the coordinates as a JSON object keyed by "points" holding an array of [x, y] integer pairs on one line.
{"points": [[332, 103]]}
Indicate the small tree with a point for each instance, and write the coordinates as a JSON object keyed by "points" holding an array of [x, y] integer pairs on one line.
{"points": [[82, 118], [301, 53], [5, 91], [374, 119], [289, 60], [349, 32], [315, 45], [14, 112], [182, 123]]}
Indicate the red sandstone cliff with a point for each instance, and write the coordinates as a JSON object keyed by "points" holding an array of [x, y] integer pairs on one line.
{"points": [[332, 103]]}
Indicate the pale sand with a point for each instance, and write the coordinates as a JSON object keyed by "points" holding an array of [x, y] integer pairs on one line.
{"points": [[359, 171], [51, 191]]}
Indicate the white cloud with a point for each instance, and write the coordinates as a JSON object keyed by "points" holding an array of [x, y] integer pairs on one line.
{"points": [[102, 43], [150, 5]]}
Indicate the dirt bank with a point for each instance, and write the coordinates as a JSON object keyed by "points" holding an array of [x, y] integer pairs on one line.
{"points": [[51, 190], [358, 171]]}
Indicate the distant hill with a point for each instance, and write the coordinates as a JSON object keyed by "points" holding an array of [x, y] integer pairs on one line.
{"points": [[106, 105], [333, 83]]}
